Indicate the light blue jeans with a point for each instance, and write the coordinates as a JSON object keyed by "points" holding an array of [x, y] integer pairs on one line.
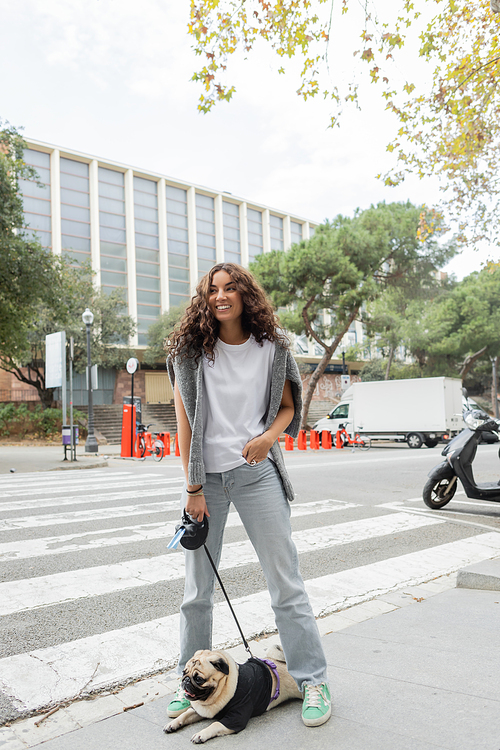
{"points": [[257, 494]]}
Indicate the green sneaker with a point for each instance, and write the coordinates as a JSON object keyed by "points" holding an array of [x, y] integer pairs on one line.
{"points": [[317, 706], [179, 704]]}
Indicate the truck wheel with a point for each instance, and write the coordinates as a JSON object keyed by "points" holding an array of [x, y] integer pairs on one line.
{"points": [[434, 493], [431, 443], [414, 440]]}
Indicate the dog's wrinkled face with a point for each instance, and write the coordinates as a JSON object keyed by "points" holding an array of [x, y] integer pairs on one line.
{"points": [[203, 673]]}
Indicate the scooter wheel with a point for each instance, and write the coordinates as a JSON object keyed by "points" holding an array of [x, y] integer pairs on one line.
{"points": [[435, 492]]}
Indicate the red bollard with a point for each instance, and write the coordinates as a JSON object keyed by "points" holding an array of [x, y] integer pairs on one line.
{"points": [[177, 451], [314, 440], [165, 439], [288, 443], [302, 440], [338, 440], [326, 439]]}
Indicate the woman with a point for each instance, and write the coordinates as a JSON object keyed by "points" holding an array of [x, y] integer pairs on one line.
{"points": [[236, 389]]}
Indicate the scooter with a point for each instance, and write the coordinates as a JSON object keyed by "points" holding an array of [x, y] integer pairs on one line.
{"points": [[460, 453]]}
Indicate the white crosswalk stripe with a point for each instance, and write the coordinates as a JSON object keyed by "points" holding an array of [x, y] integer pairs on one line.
{"points": [[35, 677], [143, 532], [17, 596], [59, 488]]}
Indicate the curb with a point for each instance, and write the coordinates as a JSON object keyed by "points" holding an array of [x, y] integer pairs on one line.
{"points": [[71, 465]]}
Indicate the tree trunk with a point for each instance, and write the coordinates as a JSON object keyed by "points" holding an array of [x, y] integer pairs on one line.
{"points": [[318, 372], [36, 379], [494, 385], [469, 362], [389, 363]]}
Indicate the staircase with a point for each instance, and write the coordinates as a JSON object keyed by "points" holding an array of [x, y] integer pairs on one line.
{"points": [[162, 416], [108, 421], [319, 409]]}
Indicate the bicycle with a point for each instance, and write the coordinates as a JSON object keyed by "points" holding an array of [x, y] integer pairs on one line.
{"points": [[148, 443], [363, 443]]}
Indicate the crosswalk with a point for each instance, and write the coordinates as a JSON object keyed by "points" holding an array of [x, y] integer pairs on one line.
{"points": [[82, 551]]}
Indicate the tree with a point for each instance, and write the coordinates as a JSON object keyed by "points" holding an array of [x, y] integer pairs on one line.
{"points": [[459, 328], [347, 263], [159, 332], [449, 125], [27, 271], [73, 291], [391, 317]]}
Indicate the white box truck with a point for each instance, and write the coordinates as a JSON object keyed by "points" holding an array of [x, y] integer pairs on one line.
{"points": [[416, 411]]}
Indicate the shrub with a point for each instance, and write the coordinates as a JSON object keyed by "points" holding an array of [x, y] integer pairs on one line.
{"points": [[19, 421]]}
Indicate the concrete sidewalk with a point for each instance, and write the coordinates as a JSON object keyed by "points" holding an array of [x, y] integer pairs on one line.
{"points": [[417, 669], [28, 458]]}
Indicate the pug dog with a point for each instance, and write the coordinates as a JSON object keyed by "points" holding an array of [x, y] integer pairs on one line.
{"points": [[232, 693]]}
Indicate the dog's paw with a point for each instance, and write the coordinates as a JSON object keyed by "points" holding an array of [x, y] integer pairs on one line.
{"points": [[170, 727], [198, 739]]}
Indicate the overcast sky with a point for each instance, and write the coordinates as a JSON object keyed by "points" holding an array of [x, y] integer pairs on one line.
{"points": [[111, 78]]}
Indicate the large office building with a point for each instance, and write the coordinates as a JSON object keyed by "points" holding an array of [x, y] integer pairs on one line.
{"points": [[150, 235]]}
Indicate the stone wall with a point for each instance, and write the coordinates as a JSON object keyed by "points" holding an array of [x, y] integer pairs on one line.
{"points": [[123, 385], [328, 387]]}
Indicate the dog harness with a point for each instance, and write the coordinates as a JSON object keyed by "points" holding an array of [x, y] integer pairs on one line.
{"points": [[272, 666]]}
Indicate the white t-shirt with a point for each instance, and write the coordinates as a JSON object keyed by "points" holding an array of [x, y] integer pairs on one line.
{"points": [[236, 393]]}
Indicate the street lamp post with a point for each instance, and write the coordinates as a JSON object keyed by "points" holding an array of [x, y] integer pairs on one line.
{"points": [[91, 442]]}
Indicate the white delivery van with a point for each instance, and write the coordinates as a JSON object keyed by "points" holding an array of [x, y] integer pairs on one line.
{"points": [[415, 411]]}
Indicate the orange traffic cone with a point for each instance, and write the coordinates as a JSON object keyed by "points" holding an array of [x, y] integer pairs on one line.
{"points": [[166, 443], [326, 439], [302, 440], [338, 440], [177, 451], [314, 440], [288, 443]]}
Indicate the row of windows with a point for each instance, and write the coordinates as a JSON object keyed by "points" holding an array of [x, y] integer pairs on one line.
{"points": [[36, 198], [112, 230], [76, 235], [147, 250], [178, 245]]}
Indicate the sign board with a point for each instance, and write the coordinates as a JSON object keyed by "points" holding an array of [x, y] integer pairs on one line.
{"points": [[132, 364], [345, 381], [55, 359], [94, 371]]}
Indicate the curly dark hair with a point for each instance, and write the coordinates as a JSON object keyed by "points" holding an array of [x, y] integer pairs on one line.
{"points": [[198, 329]]}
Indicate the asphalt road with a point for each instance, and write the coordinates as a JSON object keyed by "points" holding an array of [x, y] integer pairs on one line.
{"points": [[89, 591]]}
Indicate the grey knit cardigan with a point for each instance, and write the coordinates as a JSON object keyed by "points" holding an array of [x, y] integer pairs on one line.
{"points": [[189, 376]]}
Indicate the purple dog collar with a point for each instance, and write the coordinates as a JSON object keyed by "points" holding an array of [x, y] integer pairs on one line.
{"points": [[272, 666]]}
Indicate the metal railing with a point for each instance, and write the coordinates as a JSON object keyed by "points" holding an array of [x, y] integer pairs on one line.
{"points": [[18, 395]]}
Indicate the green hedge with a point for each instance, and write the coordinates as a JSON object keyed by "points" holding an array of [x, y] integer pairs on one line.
{"points": [[19, 421]]}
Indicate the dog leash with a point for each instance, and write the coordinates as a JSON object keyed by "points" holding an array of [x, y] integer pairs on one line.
{"points": [[272, 666], [247, 647]]}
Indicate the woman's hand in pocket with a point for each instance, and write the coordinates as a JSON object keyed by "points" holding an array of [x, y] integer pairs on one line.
{"points": [[257, 448]]}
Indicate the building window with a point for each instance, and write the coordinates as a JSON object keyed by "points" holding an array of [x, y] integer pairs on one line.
{"points": [[205, 232], [255, 244], [231, 222], [147, 255], [295, 232], [75, 210], [276, 223], [36, 199], [112, 232], [178, 245], [311, 231]]}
